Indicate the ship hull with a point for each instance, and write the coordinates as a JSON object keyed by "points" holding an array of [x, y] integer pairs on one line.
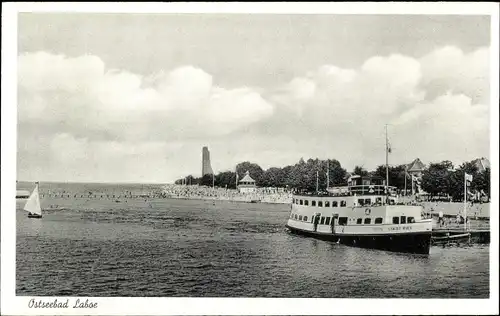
{"points": [[415, 242]]}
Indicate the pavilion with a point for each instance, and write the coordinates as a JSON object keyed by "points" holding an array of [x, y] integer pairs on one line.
{"points": [[247, 184]]}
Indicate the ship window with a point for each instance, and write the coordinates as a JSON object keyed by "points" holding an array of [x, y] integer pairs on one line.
{"points": [[368, 220], [293, 201], [342, 204], [403, 219], [327, 221], [320, 204], [361, 202], [378, 220], [300, 217], [306, 202], [305, 218], [378, 200], [368, 201], [322, 220], [359, 221], [295, 216], [327, 203], [411, 220], [313, 203], [301, 202], [335, 204], [395, 220], [342, 220]]}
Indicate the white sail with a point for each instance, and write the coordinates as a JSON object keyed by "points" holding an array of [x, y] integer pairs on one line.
{"points": [[33, 203]]}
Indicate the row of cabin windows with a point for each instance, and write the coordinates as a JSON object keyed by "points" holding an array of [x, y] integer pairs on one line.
{"points": [[322, 220], [343, 220], [378, 201], [361, 202], [366, 202], [379, 220], [320, 203], [368, 220], [298, 217], [403, 220]]}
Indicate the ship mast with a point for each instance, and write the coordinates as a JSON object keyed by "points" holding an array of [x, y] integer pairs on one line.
{"points": [[386, 163]]}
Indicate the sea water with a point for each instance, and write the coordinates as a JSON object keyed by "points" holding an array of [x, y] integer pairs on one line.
{"points": [[191, 248]]}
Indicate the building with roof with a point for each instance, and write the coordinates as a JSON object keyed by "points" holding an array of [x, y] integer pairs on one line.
{"points": [[415, 168], [481, 164], [247, 184]]}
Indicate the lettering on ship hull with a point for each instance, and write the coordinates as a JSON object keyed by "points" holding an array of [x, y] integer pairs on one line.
{"points": [[418, 243]]}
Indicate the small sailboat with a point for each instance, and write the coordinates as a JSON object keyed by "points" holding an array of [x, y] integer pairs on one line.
{"points": [[32, 205]]}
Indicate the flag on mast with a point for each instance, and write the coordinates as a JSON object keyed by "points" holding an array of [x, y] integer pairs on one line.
{"points": [[468, 177]]}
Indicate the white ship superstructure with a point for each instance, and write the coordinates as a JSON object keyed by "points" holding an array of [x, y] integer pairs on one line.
{"points": [[365, 213]]}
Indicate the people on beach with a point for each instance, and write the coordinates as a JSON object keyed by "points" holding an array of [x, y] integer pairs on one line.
{"points": [[266, 195]]}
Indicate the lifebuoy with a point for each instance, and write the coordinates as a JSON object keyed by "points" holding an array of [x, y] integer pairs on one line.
{"points": [[368, 211]]}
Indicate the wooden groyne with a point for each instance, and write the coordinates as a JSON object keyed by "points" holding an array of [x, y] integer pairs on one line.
{"points": [[481, 236]]}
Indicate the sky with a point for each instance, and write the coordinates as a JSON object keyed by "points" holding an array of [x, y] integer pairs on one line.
{"points": [[135, 97]]}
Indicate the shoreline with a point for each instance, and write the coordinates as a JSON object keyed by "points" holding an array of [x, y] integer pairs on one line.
{"points": [[208, 198], [449, 209]]}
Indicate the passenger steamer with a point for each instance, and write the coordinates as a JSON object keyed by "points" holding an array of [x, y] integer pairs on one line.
{"points": [[365, 213]]}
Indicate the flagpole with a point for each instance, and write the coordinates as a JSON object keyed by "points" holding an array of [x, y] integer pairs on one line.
{"points": [[236, 172], [327, 174], [465, 200], [317, 183], [406, 175], [386, 165]]}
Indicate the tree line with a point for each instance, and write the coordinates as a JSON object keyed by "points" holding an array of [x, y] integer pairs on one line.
{"points": [[438, 179], [443, 179], [301, 176]]}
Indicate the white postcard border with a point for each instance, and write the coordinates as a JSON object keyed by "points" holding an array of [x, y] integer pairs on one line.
{"points": [[15, 305]]}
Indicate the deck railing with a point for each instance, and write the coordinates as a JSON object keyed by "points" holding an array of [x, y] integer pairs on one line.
{"points": [[371, 190], [354, 190]]}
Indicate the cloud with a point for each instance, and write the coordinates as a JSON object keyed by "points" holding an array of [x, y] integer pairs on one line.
{"points": [[43, 71], [78, 93], [91, 122], [344, 114], [77, 104], [450, 69]]}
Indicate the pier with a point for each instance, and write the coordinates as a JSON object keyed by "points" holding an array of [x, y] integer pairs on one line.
{"points": [[479, 230], [480, 236]]}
